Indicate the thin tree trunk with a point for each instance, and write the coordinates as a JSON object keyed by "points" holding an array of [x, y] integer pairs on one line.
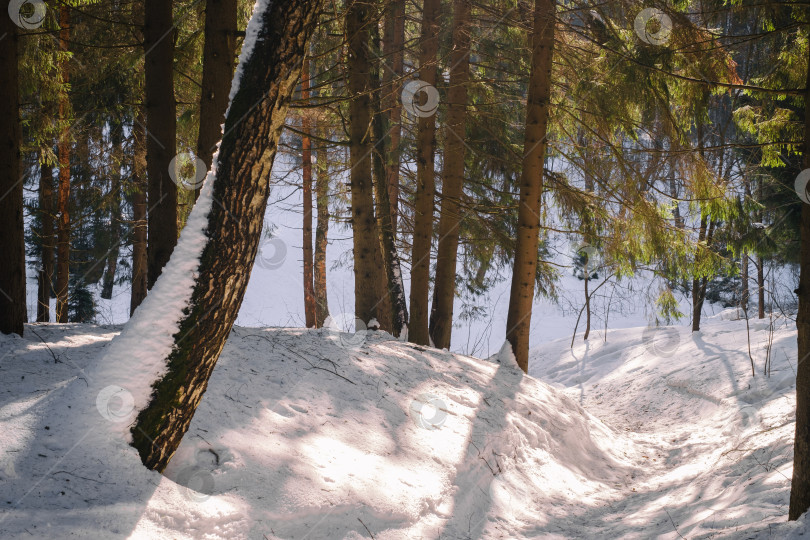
{"points": [[444, 289], [306, 158], [800, 486], [587, 306], [697, 302], [63, 225], [12, 240], [744, 279], [219, 53], [418, 329], [761, 287], [161, 124], [531, 183], [321, 234], [394, 52], [46, 219], [252, 128], [366, 245], [139, 257], [115, 242]]}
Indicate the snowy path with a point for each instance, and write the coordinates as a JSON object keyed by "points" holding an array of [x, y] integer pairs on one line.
{"points": [[312, 434]]}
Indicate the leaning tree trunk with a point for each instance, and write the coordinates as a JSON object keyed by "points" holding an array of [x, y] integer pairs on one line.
{"points": [[366, 246], [321, 234], [744, 280], [306, 173], [63, 199], [444, 289], [760, 287], [139, 257], [161, 125], [219, 53], [418, 328], [12, 239], [800, 486], [268, 74], [531, 183], [46, 243]]}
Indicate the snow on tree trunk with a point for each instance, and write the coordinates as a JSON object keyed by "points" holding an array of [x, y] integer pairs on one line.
{"points": [[234, 198]]}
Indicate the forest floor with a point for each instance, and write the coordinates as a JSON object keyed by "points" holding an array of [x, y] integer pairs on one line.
{"points": [[317, 434]]}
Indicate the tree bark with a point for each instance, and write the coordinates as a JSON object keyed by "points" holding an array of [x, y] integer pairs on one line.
{"points": [[253, 125], [800, 486], [444, 289], [139, 256], [45, 285], [306, 168], [393, 52], [161, 124], [418, 329], [744, 279], [219, 54], [63, 225], [531, 183], [12, 239], [321, 234], [393, 305], [366, 245], [761, 287], [697, 300]]}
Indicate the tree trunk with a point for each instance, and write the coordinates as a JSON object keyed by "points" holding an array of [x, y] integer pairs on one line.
{"points": [[587, 305], [800, 486], [139, 257], [219, 53], [394, 49], [269, 72], [63, 225], [418, 329], [393, 305], [531, 183], [161, 124], [115, 242], [444, 289], [46, 242], [306, 158], [744, 279], [761, 287], [12, 239], [366, 245], [697, 301], [321, 233]]}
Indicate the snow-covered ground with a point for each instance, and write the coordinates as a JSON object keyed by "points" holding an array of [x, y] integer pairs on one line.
{"points": [[317, 434]]}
